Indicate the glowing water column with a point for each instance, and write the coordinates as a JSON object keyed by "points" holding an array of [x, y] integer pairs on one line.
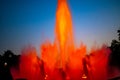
{"points": [[63, 31]]}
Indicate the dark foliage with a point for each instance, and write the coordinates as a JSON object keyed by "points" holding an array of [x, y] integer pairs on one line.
{"points": [[116, 78], [7, 60], [115, 52]]}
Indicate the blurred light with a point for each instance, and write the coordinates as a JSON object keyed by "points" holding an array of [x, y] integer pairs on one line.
{"points": [[46, 77], [84, 76], [5, 64], [67, 78]]}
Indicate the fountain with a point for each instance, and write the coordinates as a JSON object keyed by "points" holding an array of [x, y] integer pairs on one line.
{"points": [[61, 60]]}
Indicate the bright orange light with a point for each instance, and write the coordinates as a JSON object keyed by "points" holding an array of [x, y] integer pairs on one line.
{"points": [[84, 76], [63, 30]]}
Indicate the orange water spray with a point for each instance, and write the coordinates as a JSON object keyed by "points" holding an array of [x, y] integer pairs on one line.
{"points": [[63, 28], [61, 60], [63, 31]]}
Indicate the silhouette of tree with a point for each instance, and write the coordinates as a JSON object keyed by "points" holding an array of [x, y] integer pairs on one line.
{"points": [[119, 34], [115, 52], [114, 58], [7, 60], [4, 66]]}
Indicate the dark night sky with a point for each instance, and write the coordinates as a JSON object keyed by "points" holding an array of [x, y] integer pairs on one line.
{"points": [[24, 22]]}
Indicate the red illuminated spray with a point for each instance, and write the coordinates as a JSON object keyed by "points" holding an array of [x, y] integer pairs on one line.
{"points": [[61, 60]]}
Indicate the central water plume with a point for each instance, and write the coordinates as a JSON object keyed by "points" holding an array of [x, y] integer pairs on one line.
{"points": [[64, 31]]}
